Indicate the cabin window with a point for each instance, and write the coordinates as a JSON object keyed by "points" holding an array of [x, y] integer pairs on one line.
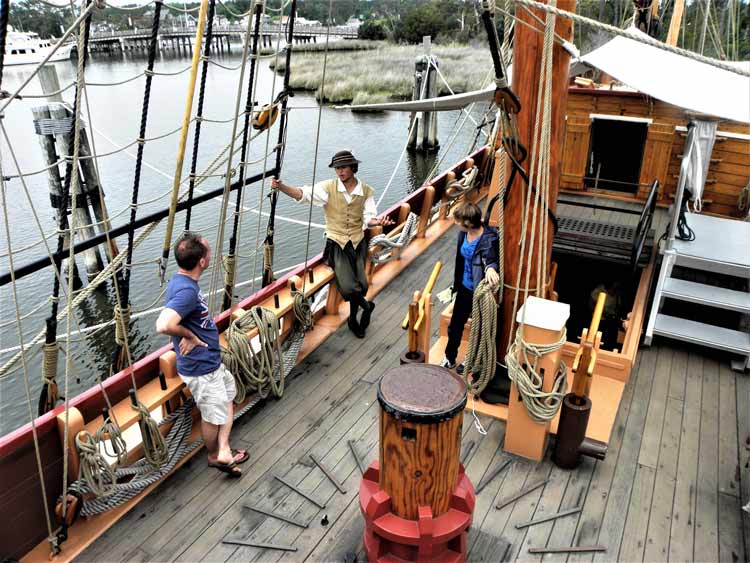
{"points": [[615, 154]]}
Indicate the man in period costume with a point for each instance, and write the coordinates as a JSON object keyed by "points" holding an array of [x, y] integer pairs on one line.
{"points": [[349, 208]]}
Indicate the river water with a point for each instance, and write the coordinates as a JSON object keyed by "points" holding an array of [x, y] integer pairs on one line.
{"points": [[376, 139]]}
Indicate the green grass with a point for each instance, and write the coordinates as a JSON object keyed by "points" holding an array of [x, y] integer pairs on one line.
{"points": [[386, 72]]}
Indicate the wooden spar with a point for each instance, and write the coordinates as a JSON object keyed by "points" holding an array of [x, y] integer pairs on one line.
{"points": [[183, 138], [674, 24], [527, 55]]}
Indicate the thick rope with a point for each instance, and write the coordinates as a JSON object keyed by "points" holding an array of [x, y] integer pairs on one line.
{"points": [[386, 244], [622, 33], [122, 323], [50, 394], [154, 446], [522, 361], [481, 352]]}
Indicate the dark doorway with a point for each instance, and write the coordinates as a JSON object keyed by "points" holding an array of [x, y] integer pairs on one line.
{"points": [[615, 155]]}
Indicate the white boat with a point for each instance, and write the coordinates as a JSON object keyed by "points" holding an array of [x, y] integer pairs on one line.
{"points": [[23, 48]]}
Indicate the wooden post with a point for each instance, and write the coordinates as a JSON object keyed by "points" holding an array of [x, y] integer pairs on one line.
{"points": [[449, 177], [83, 221], [675, 22], [544, 324], [527, 54], [47, 143], [50, 83]]}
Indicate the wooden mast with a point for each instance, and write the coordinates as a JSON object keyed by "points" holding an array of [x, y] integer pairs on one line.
{"points": [[674, 24], [527, 55]]}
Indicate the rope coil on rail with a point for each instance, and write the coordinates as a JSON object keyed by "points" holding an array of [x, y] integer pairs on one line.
{"points": [[94, 469], [155, 449], [522, 361], [110, 430], [388, 244]]}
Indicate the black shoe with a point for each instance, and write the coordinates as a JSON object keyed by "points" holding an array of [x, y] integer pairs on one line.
{"points": [[366, 314], [460, 369], [355, 328]]}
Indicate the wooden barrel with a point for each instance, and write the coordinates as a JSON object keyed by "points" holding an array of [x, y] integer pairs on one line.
{"points": [[421, 414]]}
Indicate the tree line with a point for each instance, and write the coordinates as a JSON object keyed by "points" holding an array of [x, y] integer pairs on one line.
{"points": [[720, 28]]}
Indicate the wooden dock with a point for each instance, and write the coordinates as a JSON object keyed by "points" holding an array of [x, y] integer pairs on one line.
{"points": [[670, 488]]}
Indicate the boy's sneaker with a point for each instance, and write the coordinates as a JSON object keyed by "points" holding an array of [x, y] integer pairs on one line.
{"points": [[446, 363], [460, 369]]}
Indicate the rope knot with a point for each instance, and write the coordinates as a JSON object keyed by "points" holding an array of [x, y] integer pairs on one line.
{"points": [[122, 323]]}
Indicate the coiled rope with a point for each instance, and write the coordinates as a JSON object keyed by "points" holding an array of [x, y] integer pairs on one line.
{"points": [[50, 393], [94, 469], [118, 447], [481, 353], [541, 405], [388, 243]]}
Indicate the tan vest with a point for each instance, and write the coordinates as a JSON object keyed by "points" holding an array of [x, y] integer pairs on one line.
{"points": [[344, 220]]}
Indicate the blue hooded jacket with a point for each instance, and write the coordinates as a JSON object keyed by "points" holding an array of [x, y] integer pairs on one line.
{"points": [[485, 256]]}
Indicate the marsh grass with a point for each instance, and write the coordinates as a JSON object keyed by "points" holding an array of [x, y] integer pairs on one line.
{"points": [[386, 72]]}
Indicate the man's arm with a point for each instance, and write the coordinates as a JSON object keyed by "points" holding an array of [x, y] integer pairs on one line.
{"points": [[291, 191], [168, 323]]}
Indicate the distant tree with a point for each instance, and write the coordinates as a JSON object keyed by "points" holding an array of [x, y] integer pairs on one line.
{"points": [[432, 18], [372, 29]]}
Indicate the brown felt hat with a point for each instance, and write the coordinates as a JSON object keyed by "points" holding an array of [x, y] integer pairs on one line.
{"points": [[343, 158]]}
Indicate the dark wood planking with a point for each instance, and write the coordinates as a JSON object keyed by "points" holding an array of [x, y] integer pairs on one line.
{"points": [[729, 470], [638, 511], [649, 452], [743, 434]]}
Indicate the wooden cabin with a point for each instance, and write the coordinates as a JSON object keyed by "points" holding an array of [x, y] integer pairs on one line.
{"points": [[617, 142]]}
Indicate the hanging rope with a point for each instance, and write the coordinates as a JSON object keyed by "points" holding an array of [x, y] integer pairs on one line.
{"points": [[154, 446], [110, 431], [387, 244], [255, 371], [50, 393], [481, 352], [199, 111]]}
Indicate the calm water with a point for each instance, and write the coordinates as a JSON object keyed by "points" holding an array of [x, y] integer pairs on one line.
{"points": [[376, 139]]}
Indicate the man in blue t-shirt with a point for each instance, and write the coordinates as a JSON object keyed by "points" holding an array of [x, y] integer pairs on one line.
{"points": [[195, 340]]}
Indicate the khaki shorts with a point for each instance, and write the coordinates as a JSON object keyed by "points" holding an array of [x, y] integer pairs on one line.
{"points": [[212, 393]]}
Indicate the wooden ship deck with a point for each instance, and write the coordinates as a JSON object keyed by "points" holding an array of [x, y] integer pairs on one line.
{"points": [[670, 487]]}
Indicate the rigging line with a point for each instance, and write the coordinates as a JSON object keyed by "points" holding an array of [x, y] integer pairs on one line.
{"points": [[648, 40], [71, 186], [317, 144], [24, 363], [274, 195], [408, 136], [252, 90], [183, 141], [265, 161], [15, 95], [219, 243], [199, 111], [124, 297], [90, 331]]}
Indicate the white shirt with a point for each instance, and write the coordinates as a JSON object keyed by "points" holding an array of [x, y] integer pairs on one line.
{"points": [[319, 198]]}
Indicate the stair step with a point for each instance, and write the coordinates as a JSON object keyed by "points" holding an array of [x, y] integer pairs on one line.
{"points": [[703, 334], [713, 296]]}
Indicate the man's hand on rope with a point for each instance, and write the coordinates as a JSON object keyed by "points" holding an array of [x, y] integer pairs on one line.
{"points": [[492, 277], [187, 343], [380, 221]]}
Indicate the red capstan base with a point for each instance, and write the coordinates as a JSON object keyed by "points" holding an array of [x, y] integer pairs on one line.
{"points": [[391, 539]]}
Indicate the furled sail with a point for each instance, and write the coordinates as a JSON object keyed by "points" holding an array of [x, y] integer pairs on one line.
{"points": [[443, 103]]}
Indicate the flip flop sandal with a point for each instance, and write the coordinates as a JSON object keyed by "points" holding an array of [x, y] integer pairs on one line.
{"points": [[228, 468], [244, 456]]}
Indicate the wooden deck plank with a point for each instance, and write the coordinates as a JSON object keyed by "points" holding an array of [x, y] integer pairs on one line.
{"points": [[707, 504], [660, 518], [597, 495], [649, 453], [682, 532], [729, 469], [613, 521], [638, 511], [731, 545], [743, 434], [563, 530], [678, 377]]}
